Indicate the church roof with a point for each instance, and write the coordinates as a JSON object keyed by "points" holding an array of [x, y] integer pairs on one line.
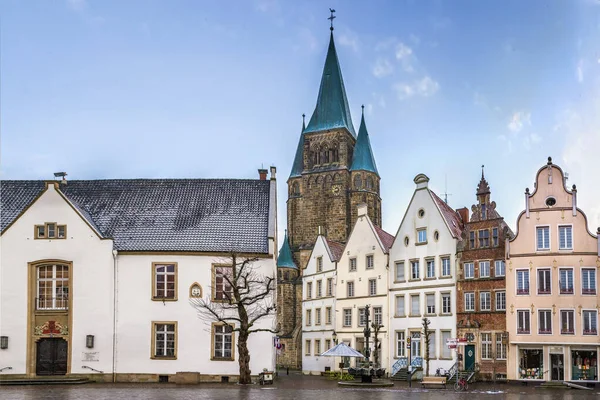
{"points": [[285, 259], [201, 215], [332, 109], [363, 154], [298, 165]]}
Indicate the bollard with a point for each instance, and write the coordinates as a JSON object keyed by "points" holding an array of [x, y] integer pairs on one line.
{"points": [[287, 371]]}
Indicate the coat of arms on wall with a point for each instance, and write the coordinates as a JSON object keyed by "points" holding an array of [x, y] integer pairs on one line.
{"points": [[51, 328]]}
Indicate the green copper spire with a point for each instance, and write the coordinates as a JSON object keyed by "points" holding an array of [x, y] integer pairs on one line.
{"points": [[363, 155], [332, 109], [298, 165], [285, 259]]}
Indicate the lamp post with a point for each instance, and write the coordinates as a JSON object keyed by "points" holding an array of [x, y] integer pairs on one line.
{"points": [[335, 342]]}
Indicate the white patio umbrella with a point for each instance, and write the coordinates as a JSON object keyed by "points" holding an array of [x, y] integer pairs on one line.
{"points": [[342, 350]]}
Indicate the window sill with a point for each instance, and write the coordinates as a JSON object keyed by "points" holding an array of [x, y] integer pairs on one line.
{"points": [[567, 333], [431, 315], [415, 316], [430, 279], [220, 359], [544, 333], [484, 310], [175, 299], [163, 358], [567, 293], [445, 277], [445, 314], [420, 243], [402, 281], [399, 316], [414, 280]]}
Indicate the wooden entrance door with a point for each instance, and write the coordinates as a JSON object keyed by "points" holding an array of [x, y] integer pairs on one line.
{"points": [[51, 357]]}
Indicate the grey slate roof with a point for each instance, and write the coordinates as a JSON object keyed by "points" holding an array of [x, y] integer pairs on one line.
{"points": [[203, 215]]}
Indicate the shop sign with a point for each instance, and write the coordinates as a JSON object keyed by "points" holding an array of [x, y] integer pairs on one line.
{"points": [[556, 350]]}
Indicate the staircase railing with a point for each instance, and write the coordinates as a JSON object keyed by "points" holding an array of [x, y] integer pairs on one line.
{"points": [[399, 364], [5, 368], [452, 371], [417, 362], [93, 369]]}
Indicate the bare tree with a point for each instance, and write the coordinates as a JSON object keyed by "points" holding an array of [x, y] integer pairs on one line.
{"points": [[427, 339], [240, 298], [376, 329]]}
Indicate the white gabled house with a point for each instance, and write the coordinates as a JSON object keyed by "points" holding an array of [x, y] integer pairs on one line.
{"points": [[422, 280], [318, 305], [96, 276], [362, 278]]}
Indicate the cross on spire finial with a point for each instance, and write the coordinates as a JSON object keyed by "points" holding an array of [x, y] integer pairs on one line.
{"points": [[482, 166], [363, 109], [331, 18]]}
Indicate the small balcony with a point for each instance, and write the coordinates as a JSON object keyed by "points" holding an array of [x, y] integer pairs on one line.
{"points": [[567, 331], [523, 331], [588, 291], [566, 290], [592, 331], [52, 303], [524, 291], [545, 332]]}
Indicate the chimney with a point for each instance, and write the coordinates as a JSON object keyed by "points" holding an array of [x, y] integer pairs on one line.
{"points": [[262, 174], [61, 175], [273, 171], [574, 200], [464, 214], [362, 209]]}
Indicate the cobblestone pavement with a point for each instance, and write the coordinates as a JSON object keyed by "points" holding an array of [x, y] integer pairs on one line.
{"points": [[289, 387]]}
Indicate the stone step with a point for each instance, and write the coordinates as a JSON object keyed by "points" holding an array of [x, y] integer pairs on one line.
{"points": [[6, 381]]}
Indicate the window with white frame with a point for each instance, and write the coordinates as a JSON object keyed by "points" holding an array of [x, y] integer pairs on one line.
{"points": [[501, 301], [372, 287], [544, 281], [164, 340], [544, 322], [565, 237], [484, 269], [347, 317], [499, 268], [399, 271], [421, 235], [469, 270], [590, 322], [377, 315], [415, 306], [495, 240], [362, 320], [328, 315], [400, 306], [446, 266], [319, 288], [309, 290], [414, 269], [543, 237], [501, 347], [329, 286], [369, 262], [470, 301], [446, 351], [523, 322], [52, 287], [446, 303], [567, 322], [317, 316], [430, 298], [430, 268], [566, 280], [485, 301], [350, 289], [588, 281], [522, 281], [223, 341], [400, 344], [319, 264], [308, 317], [486, 346], [353, 264], [484, 238]]}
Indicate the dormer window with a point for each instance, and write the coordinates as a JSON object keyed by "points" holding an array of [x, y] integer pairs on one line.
{"points": [[50, 230]]}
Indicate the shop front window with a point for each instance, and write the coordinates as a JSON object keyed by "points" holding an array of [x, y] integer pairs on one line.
{"points": [[531, 364], [585, 365]]}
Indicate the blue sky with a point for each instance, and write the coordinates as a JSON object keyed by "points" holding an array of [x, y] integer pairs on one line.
{"points": [[124, 89]]}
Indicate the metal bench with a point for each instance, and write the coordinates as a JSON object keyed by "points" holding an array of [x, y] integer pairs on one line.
{"points": [[434, 381]]}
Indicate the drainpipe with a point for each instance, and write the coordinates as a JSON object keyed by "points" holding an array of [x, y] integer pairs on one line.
{"points": [[115, 319]]}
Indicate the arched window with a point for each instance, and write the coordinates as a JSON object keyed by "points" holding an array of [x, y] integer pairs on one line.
{"points": [[296, 189], [357, 182], [369, 183]]}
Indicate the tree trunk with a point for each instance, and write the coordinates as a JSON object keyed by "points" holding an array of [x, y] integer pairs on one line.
{"points": [[244, 359]]}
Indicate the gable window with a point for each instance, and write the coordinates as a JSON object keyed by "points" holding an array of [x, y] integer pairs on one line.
{"points": [[309, 290], [319, 264], [430, 298], [523, 323], [446, 304], [319, 288], [566, 280], [499, 268], [415, 306], [470, 301], [50, 230], [590, 322], [588, 281], [414, 269], [445, 266], [484, 269], [567, 322], [422, 235], [400, 344], [164, 340], [543, 237], [469, 270], [486, 346], [484, 238], [565, 237], [400, 306], [485, 301], [369, 262], [430, 268], [52, 287], [350, 289], [329, 286], [399, 271], [317, 316], [501, 301], [545, 322], [372, 287], [328, 316], [522, 281], [544, 281], [472, 239], [347, 317], [353, 264], [165, 281], [495, 240], [308, 317], [377, 315]]}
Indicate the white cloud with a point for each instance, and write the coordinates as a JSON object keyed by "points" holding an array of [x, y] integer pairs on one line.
{"points": [[518, 120], [382, 68], [349, 39], [425, 87], [405, 56]]}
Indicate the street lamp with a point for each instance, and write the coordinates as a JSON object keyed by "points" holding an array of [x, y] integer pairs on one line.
{"points": [[334, 337]]}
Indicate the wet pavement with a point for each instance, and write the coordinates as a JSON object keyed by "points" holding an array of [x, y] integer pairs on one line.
{"points": [[285, 388]]}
